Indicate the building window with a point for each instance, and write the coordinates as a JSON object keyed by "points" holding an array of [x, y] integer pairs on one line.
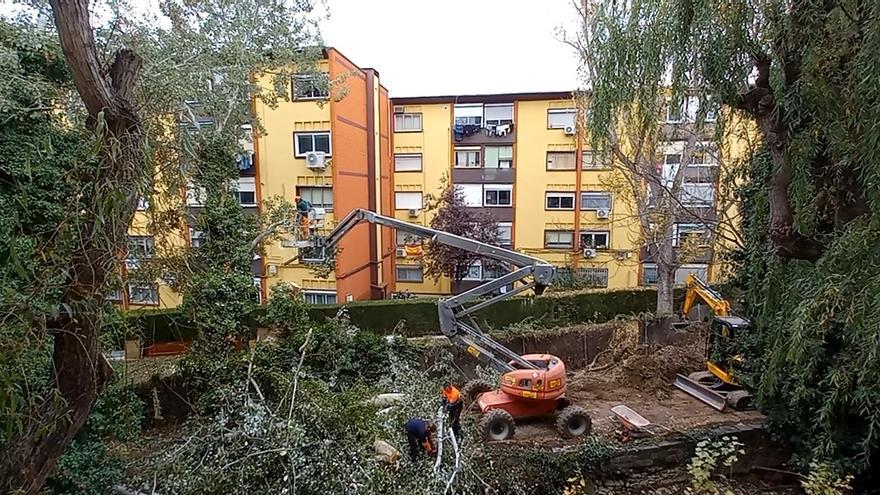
{"points": [[497, 195], [561, 160], [697, 194], [467, 157], [472, 194], [593, 277], [499, 156], [311, 87], [141, 247], [505, 234], [690, 233], [197, 238], [594, 240], [408, 200], [558, 239], [592, 160], [561, 118], [319, 297], [319, 197], [141, 293], [559, 201], [499, 114], [468, 115], [592, 201], [650, 276], [705, 155], [305, 142], [312, 255], [403, 238], [688, 109], [474, 272], [114, 295], [245, 190], [407, 122], [408, 163], [409, 273], [700, 271], [195, 196]]}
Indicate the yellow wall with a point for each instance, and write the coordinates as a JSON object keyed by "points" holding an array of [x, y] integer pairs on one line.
{"points": [[434, 143], [280, 172]]}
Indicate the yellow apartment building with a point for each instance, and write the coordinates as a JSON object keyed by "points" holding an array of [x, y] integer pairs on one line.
{"points": [[518, 156]]}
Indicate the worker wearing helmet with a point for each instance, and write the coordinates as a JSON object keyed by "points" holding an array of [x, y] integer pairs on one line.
{"points": [[419, 433], [303, 207], [452, 399]]}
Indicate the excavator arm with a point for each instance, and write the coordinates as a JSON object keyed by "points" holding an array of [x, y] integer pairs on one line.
{"points": [[533, 273], [696, 290]]}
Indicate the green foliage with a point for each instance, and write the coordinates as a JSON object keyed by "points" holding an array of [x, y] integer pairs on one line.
{"points": [[811, 359], [286, 309], [85, 469], [822, 480], [709, 457], [419, 316], [118, 414]]}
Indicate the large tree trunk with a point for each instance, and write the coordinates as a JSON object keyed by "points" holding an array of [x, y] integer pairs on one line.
{"points": [[79, 369], [665, 279]]}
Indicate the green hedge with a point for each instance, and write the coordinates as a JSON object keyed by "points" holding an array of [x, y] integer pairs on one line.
{"points": [[420, 315]]}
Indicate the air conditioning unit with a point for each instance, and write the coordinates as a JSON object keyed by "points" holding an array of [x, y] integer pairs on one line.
{"points": [[569, 130], [603, 214], [413, 212], [316, 160], [272, 270], [401, 252], [398, 109], [589, 253], [132, 263]]}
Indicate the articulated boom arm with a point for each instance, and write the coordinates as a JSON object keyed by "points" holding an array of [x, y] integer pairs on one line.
{"points": [[466, 335], [696, 288]]}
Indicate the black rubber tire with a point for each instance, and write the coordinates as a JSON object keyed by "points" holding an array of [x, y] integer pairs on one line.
{"points": [[472, 389], [496, 425], [573, 421]]}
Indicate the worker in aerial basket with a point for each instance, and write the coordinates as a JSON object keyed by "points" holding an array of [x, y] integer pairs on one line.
{"points": [[419, 435], [303, 207], [451, 397]]}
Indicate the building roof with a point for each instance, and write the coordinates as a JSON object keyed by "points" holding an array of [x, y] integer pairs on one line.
{"points": [[487, 98]]}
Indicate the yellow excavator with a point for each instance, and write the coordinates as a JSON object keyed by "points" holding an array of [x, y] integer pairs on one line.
{"points": [[718, 385]]}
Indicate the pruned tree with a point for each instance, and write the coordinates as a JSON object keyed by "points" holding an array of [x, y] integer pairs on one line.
{"points": [[452, 214]]}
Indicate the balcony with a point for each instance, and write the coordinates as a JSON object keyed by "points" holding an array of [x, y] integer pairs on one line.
{"points": [[484, 175]]}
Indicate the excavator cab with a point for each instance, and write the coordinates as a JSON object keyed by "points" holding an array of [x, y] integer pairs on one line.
{"points": [[721, 351]]}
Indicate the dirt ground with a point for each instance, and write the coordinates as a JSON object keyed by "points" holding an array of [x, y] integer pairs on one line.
{"points": [[640, 377]]}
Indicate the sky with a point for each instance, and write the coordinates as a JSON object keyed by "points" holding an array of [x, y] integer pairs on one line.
{"points": [[449, 47], [443, 47]]}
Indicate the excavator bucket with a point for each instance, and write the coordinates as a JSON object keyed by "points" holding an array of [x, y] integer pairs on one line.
{"points": [[705, 394]]}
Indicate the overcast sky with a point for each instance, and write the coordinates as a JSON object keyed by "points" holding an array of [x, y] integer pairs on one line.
{"points": [[434, 47], [443, 47]]}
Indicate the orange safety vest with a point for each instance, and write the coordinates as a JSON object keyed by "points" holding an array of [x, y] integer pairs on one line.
{"points": [[452, 396]]}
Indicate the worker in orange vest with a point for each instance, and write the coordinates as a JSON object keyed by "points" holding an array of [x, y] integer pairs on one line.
{"points": [[454, 405]]}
